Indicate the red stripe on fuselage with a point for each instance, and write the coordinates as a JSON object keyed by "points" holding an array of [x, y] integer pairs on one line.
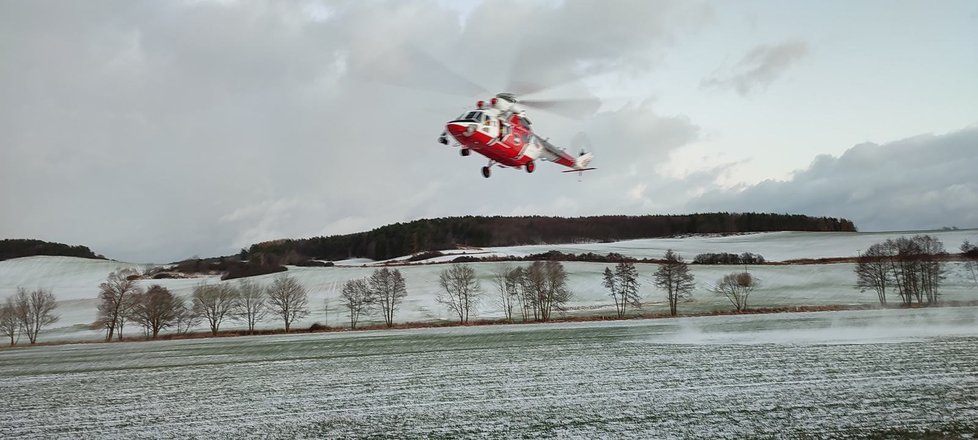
{"points": [[504, 152]]}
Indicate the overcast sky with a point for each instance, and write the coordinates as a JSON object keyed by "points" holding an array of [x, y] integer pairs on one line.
{"points": [[155, 131]]}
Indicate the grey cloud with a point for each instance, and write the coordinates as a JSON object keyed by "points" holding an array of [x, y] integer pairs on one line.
{"points": [[154, 131], [758, 68], [922, 182]]}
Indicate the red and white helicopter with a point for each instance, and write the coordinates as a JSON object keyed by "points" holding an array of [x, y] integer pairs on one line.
{"points": [[499, 130]]}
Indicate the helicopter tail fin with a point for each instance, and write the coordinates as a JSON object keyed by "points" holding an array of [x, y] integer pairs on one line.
{"points": [[583, 160]]}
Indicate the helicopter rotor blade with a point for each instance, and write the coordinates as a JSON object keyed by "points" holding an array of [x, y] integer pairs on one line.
{"points": [[576, 108], [411, 67]]}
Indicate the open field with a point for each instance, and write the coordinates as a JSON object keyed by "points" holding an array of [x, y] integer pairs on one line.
{"points": [[834, 374]]}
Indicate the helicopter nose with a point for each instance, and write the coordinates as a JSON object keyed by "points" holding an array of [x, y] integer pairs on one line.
{"points": [[459, 130]]}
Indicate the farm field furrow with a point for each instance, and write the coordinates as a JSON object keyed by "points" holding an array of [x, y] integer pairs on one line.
{"points": [[839, 374]]}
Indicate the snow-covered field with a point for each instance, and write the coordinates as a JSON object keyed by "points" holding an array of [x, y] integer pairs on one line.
{"points": [[774, 246], [879, 374], [75, 281]]}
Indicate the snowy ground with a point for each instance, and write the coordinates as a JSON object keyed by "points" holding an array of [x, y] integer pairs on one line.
{"points": [[774, 246], [881, 373], [75, 281]]}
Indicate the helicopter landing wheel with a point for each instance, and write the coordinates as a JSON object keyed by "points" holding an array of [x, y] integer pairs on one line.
{"points": [[486, 172], [530, 166], [465, 152]]}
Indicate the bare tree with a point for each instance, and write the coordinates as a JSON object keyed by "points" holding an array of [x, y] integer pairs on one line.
{"points": [[507, 290], [252, 304], [357, 299], [186, 319], [287, 298], [736, 287], [932, 266], [155, 310], [547, 283], [622, 283], [516, 285], [461, 290], [970, 253], [873, 270], [674, 277], [388, 290], [527, 296], [115, 300], [215, 302], [916, 267], [9, 324], [34, 309], [610, 282]]}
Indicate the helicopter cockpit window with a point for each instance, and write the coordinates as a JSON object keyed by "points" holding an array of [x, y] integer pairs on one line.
{"points": [[470, 116]]}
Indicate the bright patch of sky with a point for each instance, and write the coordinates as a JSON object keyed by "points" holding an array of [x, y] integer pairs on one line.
{"points": [[874, 71]]}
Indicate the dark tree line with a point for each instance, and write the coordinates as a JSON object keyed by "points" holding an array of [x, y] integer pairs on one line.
{"points": [[911, 267], [728, 258], [447, 233], [16, 248], [230, 267]]}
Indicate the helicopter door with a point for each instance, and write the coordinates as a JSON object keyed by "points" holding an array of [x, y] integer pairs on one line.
{"points": [[504, 130]]}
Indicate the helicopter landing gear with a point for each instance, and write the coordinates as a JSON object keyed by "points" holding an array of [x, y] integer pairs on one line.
{"points": [[443, 140], [465, 152], [530, 166], [486, 172]]}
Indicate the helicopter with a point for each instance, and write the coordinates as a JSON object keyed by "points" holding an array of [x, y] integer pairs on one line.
{"points": [[500, 130]]}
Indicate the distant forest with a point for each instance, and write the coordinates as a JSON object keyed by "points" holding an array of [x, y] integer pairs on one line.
{"points": [[16, 248], [401, 239]]}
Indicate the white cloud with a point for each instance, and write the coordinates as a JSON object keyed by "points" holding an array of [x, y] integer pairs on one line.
{"points": [[760, 67]]}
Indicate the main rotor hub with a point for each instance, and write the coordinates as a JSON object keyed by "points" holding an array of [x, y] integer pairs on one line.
{"points": [[511, 98]]}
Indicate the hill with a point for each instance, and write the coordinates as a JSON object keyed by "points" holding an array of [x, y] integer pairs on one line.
{"points": [[16, 248], [453, 232]]}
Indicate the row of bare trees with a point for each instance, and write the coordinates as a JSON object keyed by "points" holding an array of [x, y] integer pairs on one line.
{"points": [[674, 277], [382, 292], [534, 292], [913, 267], [27, 312], [122, 300]]}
